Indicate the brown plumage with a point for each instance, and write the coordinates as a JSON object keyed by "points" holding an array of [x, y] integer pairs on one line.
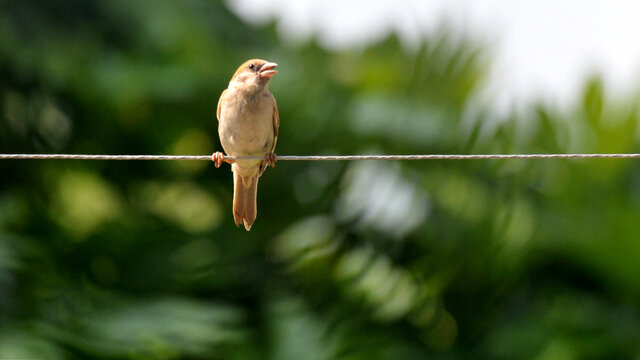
{"points": [[248, 126]]}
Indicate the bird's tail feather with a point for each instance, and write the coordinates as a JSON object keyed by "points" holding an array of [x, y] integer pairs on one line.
{"points": [[245, 191]]}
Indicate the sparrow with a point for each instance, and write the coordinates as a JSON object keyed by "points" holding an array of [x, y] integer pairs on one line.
{"points": [[248, 124]]}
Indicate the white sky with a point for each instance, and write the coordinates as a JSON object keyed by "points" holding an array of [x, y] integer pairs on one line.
{"points": [[541, 49]]}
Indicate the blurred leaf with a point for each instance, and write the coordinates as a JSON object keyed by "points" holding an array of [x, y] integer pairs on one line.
{"points": [[22, 345], [593, 101], [158, 328], [183, 203], [378, 196], [298, 334], [83, 202]]}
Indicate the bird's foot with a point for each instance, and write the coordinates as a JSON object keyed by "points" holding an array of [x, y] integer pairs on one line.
{"points": [[271, 159], [218, 158]]}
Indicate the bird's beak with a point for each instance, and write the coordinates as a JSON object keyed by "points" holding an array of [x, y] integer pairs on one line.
{"points": [[266, 71]]}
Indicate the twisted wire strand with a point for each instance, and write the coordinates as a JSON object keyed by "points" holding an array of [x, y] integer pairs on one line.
{"points": [[317, 157]]}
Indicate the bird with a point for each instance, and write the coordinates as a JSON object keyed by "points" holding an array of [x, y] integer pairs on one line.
{"points": [[248, 123]]}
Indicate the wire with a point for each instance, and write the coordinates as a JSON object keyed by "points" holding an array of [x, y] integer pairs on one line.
{"points": [[317, 157], [102, 157]]}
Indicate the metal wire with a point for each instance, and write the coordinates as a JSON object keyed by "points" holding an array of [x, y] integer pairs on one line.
{"points": [[102, 157], [317, 157]]}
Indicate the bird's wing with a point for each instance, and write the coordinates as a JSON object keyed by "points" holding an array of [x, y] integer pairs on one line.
{"points": [[276, 123], [222, 96]]}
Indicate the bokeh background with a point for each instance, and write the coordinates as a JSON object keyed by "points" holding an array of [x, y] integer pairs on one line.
{"points": [[492, 259]]}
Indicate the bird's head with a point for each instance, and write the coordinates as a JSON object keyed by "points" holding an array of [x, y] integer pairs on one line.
{"points": [[254, 75]]}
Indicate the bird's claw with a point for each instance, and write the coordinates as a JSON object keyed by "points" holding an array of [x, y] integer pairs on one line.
{"points": [[271, 159], [218, 157]]}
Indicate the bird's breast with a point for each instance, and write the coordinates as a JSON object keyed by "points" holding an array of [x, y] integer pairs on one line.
{"points": [[246, 124]]}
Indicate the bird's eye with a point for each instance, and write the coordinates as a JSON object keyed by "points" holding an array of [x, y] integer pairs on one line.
{"points": [[252, 66]]}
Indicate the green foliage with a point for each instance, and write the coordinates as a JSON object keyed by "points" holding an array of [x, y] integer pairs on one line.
{"points": [[365, 260]]}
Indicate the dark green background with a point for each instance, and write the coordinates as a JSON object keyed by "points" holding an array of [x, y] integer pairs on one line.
{"points": [[484, 259]]}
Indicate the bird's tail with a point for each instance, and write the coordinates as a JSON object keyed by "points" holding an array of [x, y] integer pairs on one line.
{"points": [[245, 191]]}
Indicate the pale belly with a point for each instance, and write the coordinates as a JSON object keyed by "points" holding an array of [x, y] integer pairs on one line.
{"points": [[247, 129]]}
